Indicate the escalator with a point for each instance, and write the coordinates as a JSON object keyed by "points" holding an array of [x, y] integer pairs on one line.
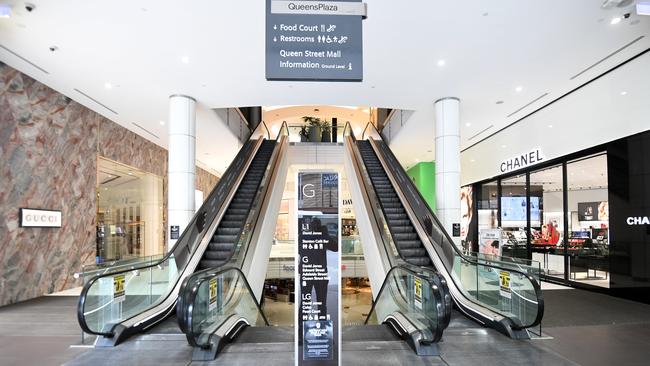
{"points": [[123, 301], [407, 231], [223, 242]]}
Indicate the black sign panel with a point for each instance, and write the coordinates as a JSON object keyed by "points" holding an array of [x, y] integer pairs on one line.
{"points": [[174, 232], [318, 269], [455, 228]]}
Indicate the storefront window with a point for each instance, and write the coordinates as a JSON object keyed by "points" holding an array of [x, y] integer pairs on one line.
{"points": [[487, 207], [588, 243], [514, 217], [547, 220], [129, 212]]}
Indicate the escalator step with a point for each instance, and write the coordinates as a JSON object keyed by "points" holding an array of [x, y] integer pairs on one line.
{"points": [[394, 210], [414, 252], [238, 211], [228, 230], [224, 238], [235, 217], [240, 205], [219, 247], [230, 224], [421, 261], [396, 216], [209, 263], [392, 204], [402, 229], [399, 222], [408, 244], [405, 236]]}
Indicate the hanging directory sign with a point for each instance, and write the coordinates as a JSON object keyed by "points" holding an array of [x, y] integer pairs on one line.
{"points": [[314, 40], [318, 269]]}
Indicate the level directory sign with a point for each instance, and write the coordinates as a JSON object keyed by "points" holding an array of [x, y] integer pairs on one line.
{"points": [[314, 40], [319, 264]]}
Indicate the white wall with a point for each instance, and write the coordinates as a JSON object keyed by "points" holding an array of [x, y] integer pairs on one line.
{"points": [[592, 115]]}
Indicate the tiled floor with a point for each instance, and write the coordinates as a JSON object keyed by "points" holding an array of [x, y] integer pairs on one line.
{"points": [[586, 329]]}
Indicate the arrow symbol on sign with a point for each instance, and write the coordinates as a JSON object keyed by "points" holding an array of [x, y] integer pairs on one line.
{"points": [[275, 27], [275, 39]]}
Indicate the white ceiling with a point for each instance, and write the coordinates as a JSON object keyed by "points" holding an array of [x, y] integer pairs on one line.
{"points": [[490, 47]]}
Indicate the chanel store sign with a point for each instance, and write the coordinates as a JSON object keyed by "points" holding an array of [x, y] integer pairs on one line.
{"points": [[30, 217]]}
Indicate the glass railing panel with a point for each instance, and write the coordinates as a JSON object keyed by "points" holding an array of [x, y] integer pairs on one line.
{"points": [[214, 299], [119, 296], [415, 296]]}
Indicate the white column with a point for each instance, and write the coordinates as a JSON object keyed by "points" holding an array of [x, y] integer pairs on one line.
{"points": [[448, 162], [181, 163]]}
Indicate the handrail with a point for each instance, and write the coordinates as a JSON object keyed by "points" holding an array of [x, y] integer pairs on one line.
{"points": [[363, 135], [268, 133], [348, 126], [197, 279], [437, 292], [536, 285], [285, 127], [249, 145]]}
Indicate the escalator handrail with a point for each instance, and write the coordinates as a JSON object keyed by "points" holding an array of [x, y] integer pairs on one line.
{"points": [[196, 280], [285, 127], [268, 133], [414, 270], [84, 292], [534, 282]]}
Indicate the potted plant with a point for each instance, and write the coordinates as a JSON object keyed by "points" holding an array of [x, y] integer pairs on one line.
{"points": [[327, 132], [314, 128], [304, 134]]}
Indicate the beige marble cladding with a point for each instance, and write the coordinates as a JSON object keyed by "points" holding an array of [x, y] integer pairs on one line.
{"points": [[47, 160], [205, 181]]}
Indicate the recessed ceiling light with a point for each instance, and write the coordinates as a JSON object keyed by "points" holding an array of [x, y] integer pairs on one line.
{"points": [[615, 20], [108, 85], [185, 59], [467, 124], [519, 89], [550, 126], [472, 160], [130, 173], [162, 123], [441, 63], [417, 160], [623, 93], [503, 146]]}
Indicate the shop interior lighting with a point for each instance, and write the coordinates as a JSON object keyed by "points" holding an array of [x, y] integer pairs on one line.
{"points": [[5, 11], [643, 8]]}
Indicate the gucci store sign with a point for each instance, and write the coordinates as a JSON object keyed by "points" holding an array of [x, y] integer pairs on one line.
{"points": [[30, 217]]}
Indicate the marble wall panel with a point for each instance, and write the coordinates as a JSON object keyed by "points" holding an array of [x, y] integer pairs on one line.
{"points": [[48, 159]]}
